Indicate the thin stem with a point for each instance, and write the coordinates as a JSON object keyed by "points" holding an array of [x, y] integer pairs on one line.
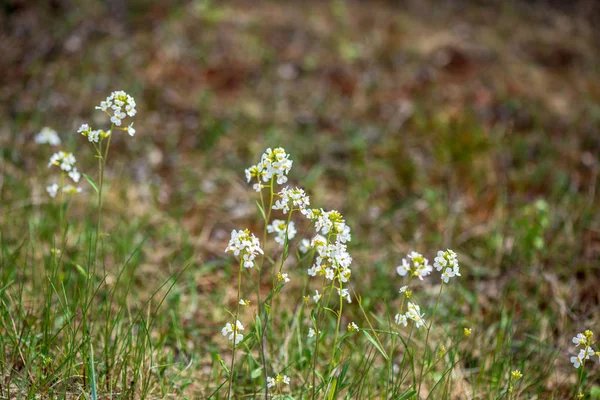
{"points": [[235, 331], [427, 340]]}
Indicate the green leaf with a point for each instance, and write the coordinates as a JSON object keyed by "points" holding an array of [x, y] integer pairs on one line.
{"points": [[80, 269], [262, 211], [256, 373], [90, 180], [411, 392], [94, 395], [377, 346]]}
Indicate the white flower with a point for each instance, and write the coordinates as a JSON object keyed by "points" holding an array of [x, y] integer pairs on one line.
{"points": [[401, 319], [414, 313], [447, 263], [579, 339], [70, 189], [403, 289], [244, 303], [576, 361], [317, 296], [278, 380], [345, 294], [52, 190], [311, 332], [75, 175], [115, 102], [232, 332], [94, 136], [63, 160], [403, 268], [279, 227], [294, 199], [416, 265], [84, 129], [245, 244], [130, 129], [47, 135], [586, 353], [273, 164], [283, 277], [304, 246], [352, 327]]}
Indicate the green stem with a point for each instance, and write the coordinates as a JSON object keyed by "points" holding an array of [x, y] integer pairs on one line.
{"points": [[235, 332], [427, 340]]}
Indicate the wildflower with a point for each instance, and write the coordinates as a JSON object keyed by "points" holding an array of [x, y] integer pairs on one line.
{"points": [[580, 396], [278, 380], [344, 293], [416, 265], [75, 175], [305, 299], [414, 313], [116, 102], [516, 375], [579, 339], [447, 263], [63, 160], [245, 244], [577, 360], [327, 222], [232, 332], [467, 332], [403, 289], [52, 190], [317, 296], [282, 277], [400, 319], [130, 130], [352, 327], [311, 332], [70, 189], [273, 164], [304, 246], [47, 135], [442, 351], [244, 303], [281, 229], [292, 199]]}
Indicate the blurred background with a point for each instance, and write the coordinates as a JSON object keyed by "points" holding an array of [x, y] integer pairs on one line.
{"points": [[473, 125]]}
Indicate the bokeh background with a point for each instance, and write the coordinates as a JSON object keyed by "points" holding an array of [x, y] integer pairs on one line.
{"points": [[473, 125]]}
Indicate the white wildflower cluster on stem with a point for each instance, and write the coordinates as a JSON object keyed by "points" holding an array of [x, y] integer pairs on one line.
{"points": [[118, 106], [93, 135], [333, 260], [66, 162], [446, 262], [274, 164], [585, 340], [232, 332], [413, 313], [278, 380], [244, 244], [416, 265], [281, 229], [47, 136], [292, 199]]}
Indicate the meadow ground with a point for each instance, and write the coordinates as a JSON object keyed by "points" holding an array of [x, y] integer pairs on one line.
{"points": [[470, 126]]}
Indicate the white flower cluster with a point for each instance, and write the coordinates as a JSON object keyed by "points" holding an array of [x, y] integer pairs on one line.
{"points": [[416, 265], [279, 227], [294, 199], [333, 260], [93, 135], [245, 244], [232, 332], [273, 164], [585, 340], [447, 263], [413, 313], [66, 162], [121, 105], [47, 136], [278, 380]]}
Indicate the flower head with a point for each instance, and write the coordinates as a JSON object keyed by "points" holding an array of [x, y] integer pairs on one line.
{"points": [[352, 327], [282, 277], [415, 265], [278, 380], [414, 313], [400, 319], [121, 105], [63, 160], [516, 375], [292, 199], [274, 164], [281, 230], [47, 136], [232, 332], [447, 263], [244, 244], [52, 190]]}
